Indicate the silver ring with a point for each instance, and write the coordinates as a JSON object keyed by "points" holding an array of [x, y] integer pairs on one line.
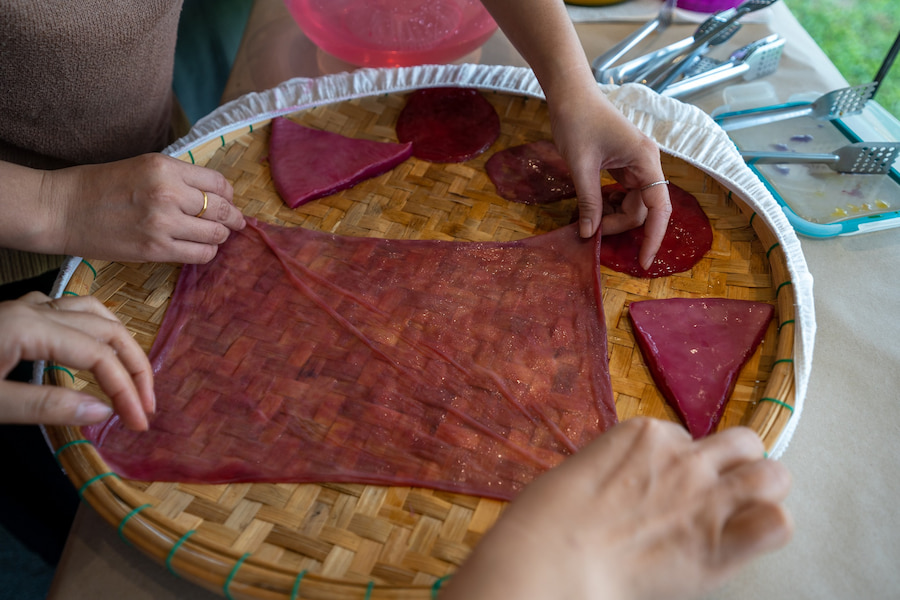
{"points": [[650, 185]]}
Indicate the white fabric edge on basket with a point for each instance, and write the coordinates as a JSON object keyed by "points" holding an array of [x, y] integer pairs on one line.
{"points": [[680, 129]]}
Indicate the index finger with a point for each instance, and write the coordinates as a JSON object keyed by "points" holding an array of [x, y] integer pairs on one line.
{"points": [[659, 209]]}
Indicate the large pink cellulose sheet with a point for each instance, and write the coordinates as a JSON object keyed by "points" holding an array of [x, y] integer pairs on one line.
{"points": [[300, 356]]}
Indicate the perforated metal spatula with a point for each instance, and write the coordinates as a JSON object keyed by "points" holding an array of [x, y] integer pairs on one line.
{"points": [[861, 158], [839, 103]]}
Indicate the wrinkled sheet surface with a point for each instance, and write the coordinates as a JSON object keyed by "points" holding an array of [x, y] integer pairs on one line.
{"points": [[308, 357]]}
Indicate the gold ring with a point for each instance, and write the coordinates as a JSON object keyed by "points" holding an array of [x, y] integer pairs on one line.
{"points": [[650, 185], [205, 204]]}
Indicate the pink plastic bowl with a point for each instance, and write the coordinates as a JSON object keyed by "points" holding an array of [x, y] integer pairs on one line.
{"points": [[394, 33]]}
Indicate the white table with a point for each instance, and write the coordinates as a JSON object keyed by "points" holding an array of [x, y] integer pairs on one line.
{"points": [[845, 454]]}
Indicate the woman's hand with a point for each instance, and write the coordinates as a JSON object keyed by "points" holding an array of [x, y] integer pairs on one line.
{"points": [[150, 208], [642, 512], [147, 208], [77, 332], [589, 131], [591, 134]]}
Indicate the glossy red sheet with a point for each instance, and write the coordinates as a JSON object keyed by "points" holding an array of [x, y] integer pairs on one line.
{"points": [[307, 357], [695, 348], [688, 237], [308, 163]]}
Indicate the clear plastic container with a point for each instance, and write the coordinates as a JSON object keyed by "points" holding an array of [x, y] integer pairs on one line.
{"points": [[394, 33]]}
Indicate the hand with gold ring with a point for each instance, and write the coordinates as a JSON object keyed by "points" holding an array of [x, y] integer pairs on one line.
{"points": [[77, 332], [205, 205], [150, 208]]}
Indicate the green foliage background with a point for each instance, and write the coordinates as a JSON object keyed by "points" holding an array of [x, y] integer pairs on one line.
{"points": [[856, 35]]}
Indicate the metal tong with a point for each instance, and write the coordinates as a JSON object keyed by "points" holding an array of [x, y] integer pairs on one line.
{"points": [[859, 158], [658, 24], [635, 69], [661, 68], [756, 59], [839, 103], [713, 29]]}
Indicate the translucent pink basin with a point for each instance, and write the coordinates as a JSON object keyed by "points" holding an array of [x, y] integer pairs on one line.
{"points": [[394, 33]]}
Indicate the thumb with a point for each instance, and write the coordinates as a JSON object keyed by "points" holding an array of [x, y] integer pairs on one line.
{"points": [[49, 405]]}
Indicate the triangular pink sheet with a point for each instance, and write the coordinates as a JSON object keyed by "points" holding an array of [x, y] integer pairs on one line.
{"points": [[695, 349], [308, 163], [301, 356]]}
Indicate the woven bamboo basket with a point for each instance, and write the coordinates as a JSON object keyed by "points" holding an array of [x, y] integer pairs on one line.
{"points": [[341, 541]]}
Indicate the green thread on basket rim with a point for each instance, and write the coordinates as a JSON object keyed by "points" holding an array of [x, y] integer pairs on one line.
{"points": [[778, 402], [191, 154], [772, 247], [783, 360], [782, 284], [295, 591], [231, 575], [68, 293], [59, 368], [175, 548], [67, 444], [752, 216], [369, 590], [86, 484], [222, 137], [121, 527], [91, 267], [788, 322], [436, 587]]}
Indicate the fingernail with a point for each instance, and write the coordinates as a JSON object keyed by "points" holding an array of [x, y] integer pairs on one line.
{"points": [[91, 411], [585, 228]]}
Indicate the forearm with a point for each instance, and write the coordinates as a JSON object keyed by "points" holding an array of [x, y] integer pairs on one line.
{"points": [[542, 32], [27, 213]]}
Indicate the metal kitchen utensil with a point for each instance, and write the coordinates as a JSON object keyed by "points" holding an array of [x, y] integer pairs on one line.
{"points": [[629, 71], [707, 31], [859, 158], [662, 20], [756, 59], [663, 80], [838, 103], [634, 69]]}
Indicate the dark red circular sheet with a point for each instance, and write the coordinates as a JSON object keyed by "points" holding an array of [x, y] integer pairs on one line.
{"points": [[688, 237], [448, 124]]}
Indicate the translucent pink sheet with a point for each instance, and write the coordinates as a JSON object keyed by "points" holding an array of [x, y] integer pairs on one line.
{"points": [[307, 357]]}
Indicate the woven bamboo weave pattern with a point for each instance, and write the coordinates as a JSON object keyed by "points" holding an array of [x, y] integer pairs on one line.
{"points": [[358, 541]]}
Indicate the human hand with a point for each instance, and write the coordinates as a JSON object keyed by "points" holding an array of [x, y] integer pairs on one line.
{"points": [[591, 134], [642, 512], [142, 209], [76, 332]]}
